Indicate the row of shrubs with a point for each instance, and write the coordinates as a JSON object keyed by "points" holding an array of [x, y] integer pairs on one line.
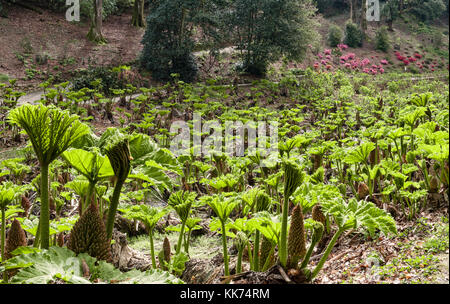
{"points": [[353, 36]]}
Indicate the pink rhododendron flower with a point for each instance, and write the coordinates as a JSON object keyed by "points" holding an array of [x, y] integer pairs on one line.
{"points": [[327, 52], [365, 62], [384, 61]]}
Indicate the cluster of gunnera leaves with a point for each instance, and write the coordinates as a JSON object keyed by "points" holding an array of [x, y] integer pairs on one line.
{"points": [[40, 266]]}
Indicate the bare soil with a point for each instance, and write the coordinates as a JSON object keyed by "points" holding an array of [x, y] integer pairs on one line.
{"points": [[65, 43]]}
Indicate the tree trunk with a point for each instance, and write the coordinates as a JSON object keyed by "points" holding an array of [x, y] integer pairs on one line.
{"points": [[390, 25], [138, 14], [351, 9], [363, 16], [95, 32]]}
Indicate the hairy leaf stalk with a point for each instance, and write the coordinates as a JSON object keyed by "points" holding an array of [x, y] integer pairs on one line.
{"points": [[44, 218], [225, 250], [3, 236], [326, 253]]}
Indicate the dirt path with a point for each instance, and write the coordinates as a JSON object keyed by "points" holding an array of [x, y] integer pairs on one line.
{"points": [[26, 34], [443, 277], [30, 97]]}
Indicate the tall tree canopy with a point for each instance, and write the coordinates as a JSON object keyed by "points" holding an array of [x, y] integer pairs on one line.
{"points": [[169, 42], [265, 30]]}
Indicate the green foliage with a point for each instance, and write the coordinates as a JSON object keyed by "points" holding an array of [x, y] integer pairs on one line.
{"points": [[222, 208], [353, 35], [168, 42], [110, 7], [353, 215], [390, 11], [181, 202], [360, 214], [330, 7], [118, 152], [4, 78], [50, 130], [108, 77], [382, 42], [148, 215], [294, 177], [335, 35], [269, 29], [428, 10], [8, 192], [59, 264], [91, 164]]}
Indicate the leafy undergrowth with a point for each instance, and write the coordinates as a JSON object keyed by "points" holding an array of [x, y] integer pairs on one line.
{"points": [[351, 192], [60, 265], [201, 247], [417, 255]]}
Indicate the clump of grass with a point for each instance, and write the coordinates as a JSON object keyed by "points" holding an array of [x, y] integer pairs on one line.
{"points": [[4, 77], [200, 247], [439, 241]]}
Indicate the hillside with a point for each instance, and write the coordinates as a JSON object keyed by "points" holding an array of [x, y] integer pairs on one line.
{"points": [[224, 144], [27, 36]]}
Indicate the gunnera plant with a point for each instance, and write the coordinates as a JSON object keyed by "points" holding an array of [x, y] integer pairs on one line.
{"points": [[118, 152], [51, 131], [267, 258], [294, 177], [296, 238], [88, 235], [16, 238], [318, 215]]}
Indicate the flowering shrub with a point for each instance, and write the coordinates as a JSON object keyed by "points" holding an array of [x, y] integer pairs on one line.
{"points": [[373, 66], [342, 47]]}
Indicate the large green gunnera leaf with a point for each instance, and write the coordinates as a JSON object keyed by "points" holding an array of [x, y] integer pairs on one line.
{"points": [[63, 265], [89, 163]]}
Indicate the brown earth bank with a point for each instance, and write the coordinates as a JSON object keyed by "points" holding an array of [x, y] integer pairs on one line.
{"points": [[26, 34]]}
